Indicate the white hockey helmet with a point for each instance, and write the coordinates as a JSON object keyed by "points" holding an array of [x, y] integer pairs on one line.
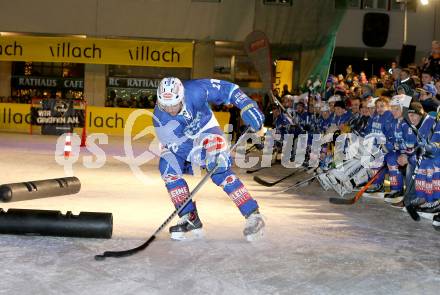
{"points": [[325, 107], [395, 101], [170, 94]]}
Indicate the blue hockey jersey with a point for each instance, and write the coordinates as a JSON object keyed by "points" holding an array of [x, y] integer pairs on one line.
{"points": [[177, 133]]}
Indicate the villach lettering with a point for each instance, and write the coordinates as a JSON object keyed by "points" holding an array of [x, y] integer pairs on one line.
{"points": [[65, 49], [109, 122], [16, 118], [144, 53], [11, 49]]}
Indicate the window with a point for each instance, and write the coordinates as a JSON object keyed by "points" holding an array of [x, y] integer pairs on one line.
{"points": [[48, 69], [375, 4], [395, 5], [354, 4], [277, 2], [213, 1], [399, 5]]}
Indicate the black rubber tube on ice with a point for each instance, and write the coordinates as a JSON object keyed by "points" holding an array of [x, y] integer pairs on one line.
{"points": [[54, 223], [39, 189]]}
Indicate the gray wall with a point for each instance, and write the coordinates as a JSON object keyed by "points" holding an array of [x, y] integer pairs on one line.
{"points": [[179, 19], [229, 20]]}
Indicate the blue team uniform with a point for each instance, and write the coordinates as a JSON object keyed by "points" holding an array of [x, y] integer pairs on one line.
{"points": [[302, 122], [338, 120], [182, 135], [396, 146], [380, 125], [324, 124], [428, 173]]}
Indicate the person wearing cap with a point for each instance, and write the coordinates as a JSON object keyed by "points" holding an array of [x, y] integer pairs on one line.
{"points": [[325, 119], [302, 119], [380, 125], [424, 123], [341, 116], [324, 123], [287, 102], [371, 105], [396, 146], [331, 102], [428, 98]]}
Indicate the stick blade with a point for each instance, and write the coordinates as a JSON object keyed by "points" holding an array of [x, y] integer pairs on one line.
{"points": [[341, 201], [263, 182], [125, 253], [253, 171], [412, 212], [100, 257]]}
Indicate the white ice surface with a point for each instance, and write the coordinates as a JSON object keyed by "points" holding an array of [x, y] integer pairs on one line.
{"points": [[310, 246]]}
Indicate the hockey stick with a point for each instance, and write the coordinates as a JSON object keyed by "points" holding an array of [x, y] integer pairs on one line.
{"points": [[301, 182], [269, 184], [411, 209], [129, 252], [359, 194]]}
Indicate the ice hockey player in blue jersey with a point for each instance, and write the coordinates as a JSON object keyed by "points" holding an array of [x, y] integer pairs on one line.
{"points": [[190, 135], [341, 116], [426, 147], [401, 142], [381, 126]]}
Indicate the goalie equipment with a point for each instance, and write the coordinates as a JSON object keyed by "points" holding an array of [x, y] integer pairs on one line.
{"points": [[344, 179]]}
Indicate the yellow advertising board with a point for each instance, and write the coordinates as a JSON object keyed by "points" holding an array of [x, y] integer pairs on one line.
{"points": [[111, 121], [97, 51], [15, 117], [283, 75]]}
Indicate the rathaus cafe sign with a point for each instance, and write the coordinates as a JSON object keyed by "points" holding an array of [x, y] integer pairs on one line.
{"points": [[97, 51]]}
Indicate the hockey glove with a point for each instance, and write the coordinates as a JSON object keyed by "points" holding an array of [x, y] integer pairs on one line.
{"points": [[216, 153], [252, 116], [427, 149]]}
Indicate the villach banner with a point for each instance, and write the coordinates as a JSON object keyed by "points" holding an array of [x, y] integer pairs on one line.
{"points": [[16, 117], [97, 51]]}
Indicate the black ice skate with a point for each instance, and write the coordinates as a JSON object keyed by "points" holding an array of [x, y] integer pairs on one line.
{"points": [[254, 226], [430, 207], [188, 223]]}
